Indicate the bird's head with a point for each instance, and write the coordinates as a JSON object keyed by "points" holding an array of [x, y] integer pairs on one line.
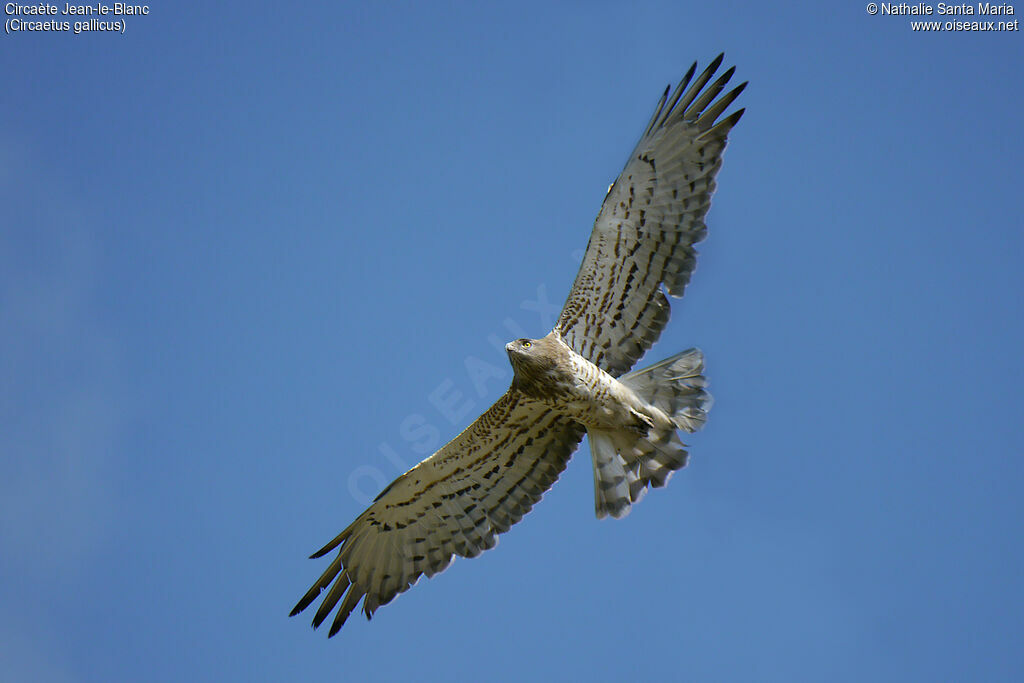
{"points": [[521, 347], [536, 364], [529, 363]]}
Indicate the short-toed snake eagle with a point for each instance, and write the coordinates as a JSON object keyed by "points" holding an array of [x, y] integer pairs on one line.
{"points": [[568, 383]]}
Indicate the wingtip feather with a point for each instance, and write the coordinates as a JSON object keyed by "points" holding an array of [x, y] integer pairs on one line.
{"points": [[337, 590], [335, 542], [349, 604], [689, 73]]}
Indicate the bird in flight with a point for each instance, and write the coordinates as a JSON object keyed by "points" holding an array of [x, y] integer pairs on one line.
{"points": [[574, 381]]}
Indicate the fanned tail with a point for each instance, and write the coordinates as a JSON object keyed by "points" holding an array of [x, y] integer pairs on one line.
{"points": [[627, 464], [614, 479], [676, 387]]}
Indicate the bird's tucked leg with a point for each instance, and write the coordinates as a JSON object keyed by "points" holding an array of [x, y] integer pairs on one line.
{"points": [[629, 460]]}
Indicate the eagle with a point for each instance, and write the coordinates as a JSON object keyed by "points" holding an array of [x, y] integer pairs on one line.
{"points": [[574, 381]]}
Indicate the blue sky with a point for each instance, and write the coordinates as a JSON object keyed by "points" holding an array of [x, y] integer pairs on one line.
{"points": [[241, 247]]}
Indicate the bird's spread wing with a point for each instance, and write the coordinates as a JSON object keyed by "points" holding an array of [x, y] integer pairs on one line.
{"points": [[651, 218], [453, 503]]}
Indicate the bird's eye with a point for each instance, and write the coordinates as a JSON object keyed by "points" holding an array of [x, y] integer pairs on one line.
{"points": [[527, 344]]}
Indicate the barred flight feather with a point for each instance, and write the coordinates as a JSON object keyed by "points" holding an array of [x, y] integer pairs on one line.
{"points": [[645, 231], [454, 503]]}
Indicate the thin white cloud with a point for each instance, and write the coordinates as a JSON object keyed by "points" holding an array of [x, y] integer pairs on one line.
{"points": [[59, 408]]}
